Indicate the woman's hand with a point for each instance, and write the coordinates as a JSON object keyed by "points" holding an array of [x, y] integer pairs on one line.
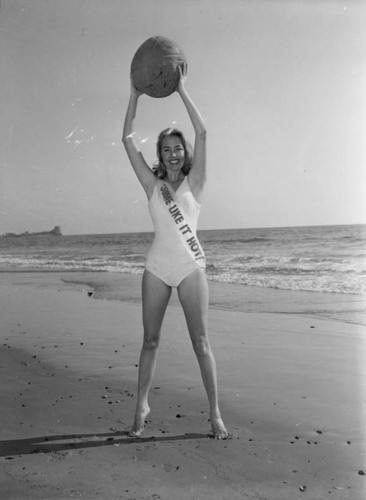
{"points": [[182, 78]]}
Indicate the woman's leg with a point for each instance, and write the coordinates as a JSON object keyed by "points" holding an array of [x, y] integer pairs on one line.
{"points": [[155, 298], [193, 295]]}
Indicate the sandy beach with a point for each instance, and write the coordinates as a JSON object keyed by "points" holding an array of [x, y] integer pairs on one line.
{"points": [[291, 369]]}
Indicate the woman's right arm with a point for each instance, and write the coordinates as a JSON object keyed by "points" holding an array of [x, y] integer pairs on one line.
{"points": [[144, 173]]}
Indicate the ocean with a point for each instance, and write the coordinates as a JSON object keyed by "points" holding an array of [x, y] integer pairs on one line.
{"points": [[314, 259]]}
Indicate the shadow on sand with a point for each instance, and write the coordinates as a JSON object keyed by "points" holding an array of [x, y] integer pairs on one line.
{"points": [[53, 444]]}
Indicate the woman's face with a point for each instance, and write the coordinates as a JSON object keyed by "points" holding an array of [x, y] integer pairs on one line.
{"points": [[172, 153]]}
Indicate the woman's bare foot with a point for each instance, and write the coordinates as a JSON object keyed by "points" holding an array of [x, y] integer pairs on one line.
{"points": [[139, 422], [218, 428]]}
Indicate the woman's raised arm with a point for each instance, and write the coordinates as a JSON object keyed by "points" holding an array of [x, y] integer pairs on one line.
{"points": [[144, 173], [197, 175]]}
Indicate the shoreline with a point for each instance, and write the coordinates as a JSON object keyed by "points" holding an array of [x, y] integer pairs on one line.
{"points": [[223, 296], [291, 387]]}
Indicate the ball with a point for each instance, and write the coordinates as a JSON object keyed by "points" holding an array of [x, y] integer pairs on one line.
{"points": [[154, 67]]}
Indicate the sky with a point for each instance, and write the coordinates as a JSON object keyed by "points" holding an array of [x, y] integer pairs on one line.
{"points": [[280, 84]]}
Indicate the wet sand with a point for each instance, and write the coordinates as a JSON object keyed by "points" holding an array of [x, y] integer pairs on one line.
{"points": [[291, 370]]}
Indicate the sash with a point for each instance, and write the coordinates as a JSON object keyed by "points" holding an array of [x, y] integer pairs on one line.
{"points": [[180, 222]]}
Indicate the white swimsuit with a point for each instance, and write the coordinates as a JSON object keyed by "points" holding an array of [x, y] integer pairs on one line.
{"points": [[171, 258]]}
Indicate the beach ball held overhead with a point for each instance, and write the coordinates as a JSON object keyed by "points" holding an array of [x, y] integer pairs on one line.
{"points": [[154, 67]]}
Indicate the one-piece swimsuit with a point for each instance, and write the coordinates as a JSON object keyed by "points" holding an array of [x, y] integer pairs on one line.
{"points": [[170, 257]]}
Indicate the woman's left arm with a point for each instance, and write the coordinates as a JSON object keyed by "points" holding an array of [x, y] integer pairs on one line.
{"points": [[197, 174]]}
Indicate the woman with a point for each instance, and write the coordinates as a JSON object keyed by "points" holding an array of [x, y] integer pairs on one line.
{"points": [[176, 259]]}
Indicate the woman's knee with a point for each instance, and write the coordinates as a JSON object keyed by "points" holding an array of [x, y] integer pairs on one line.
{"points": [[151, 343], [201, 347]]}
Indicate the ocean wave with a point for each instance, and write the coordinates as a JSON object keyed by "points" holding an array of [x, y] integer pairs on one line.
{"points": [[235, 241], [91, 264], [261, 276], [322, 284]]}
